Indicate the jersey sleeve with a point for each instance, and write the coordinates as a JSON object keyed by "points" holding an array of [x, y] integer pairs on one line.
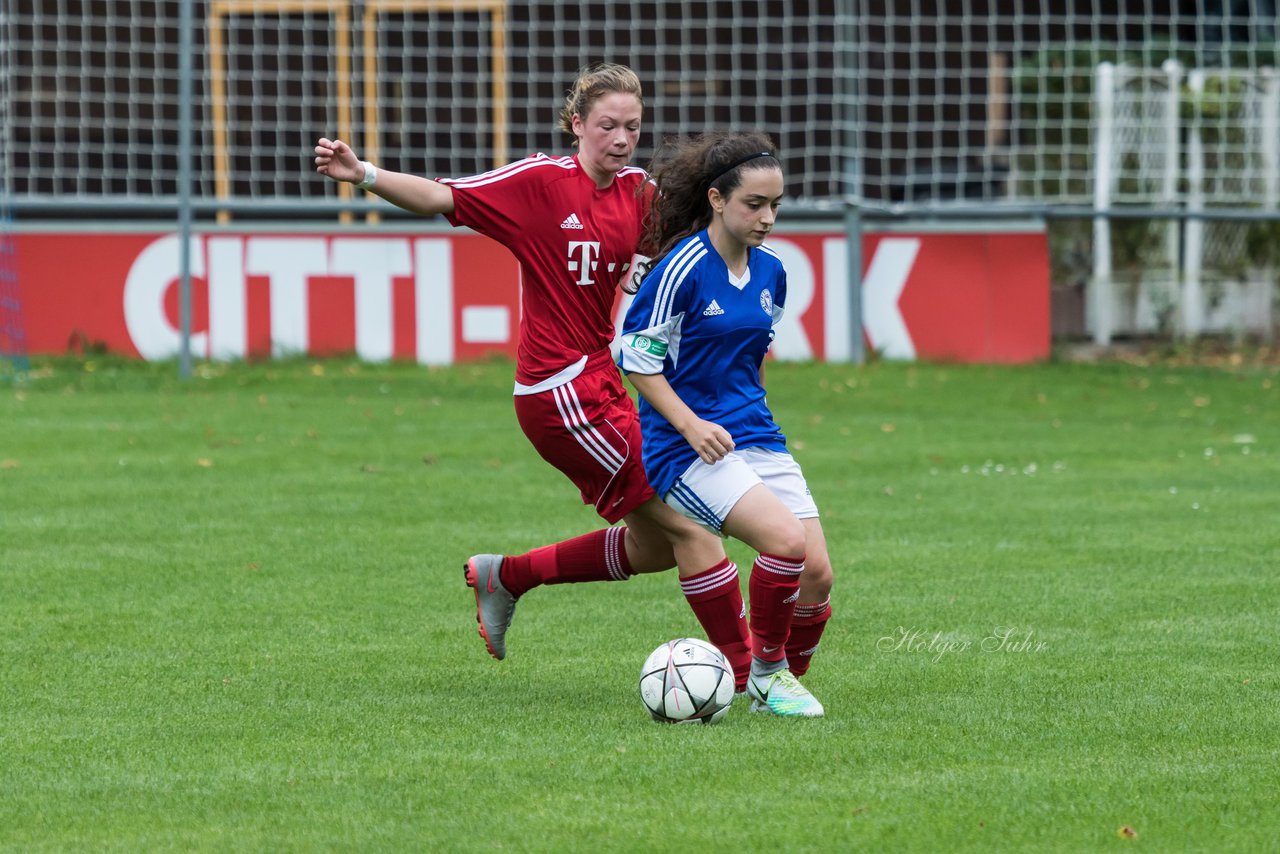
{"points": [[654, 318], [498, 204]]}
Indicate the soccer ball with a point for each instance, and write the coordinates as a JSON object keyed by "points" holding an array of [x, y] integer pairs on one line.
{"points": [[686, 681]]}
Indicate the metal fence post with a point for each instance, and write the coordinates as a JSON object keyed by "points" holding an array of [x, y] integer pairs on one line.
{"points": [[1101, 308], [852, 141], [185, 88]]}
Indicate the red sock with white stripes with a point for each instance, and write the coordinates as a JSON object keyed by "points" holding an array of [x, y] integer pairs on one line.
{"points": [[806, 630], [716, 600], [598, 556], [774, 587]]}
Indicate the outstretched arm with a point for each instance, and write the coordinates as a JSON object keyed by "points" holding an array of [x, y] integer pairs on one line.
{"points": [[335, 159], [710, 440]]}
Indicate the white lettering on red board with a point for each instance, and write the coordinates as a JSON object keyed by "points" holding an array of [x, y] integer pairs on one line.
{"points": [[144, 288], [287, 263], [226, 263], [882, 289]]}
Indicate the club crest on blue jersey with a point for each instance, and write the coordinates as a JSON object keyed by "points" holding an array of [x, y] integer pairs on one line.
{"points": [[766, 302]]}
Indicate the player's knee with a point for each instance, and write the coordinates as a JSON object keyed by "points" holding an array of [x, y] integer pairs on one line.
{"points": [[816, 579], [680, 529], [648, 551], [787, 539]]}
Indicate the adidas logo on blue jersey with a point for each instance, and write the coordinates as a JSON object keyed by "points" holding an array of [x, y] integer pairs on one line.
{"points": [[572, 221], [712, 310]]}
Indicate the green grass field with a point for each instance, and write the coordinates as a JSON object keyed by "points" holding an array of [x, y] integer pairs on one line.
{"points": [[233, 618]]}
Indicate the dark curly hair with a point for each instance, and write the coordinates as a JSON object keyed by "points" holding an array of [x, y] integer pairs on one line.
{"points": [[685, 171]]}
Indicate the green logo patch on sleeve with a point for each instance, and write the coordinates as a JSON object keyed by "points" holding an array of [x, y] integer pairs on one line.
{"points": [[648, 345]]}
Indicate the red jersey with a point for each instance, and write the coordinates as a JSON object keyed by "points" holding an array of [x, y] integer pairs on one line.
{"points": [[574, 243]]}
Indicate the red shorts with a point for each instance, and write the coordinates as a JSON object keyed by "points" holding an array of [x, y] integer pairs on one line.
{"points": [[589, 429]]}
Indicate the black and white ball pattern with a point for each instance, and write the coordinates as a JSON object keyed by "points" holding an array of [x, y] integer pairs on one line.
{"points": [[686, 680]]}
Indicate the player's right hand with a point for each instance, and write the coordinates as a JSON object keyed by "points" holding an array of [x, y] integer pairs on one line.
{"points": [[711, 441], [336, 159]]}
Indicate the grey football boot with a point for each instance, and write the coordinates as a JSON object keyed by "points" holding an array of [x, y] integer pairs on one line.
{"points": [[495, 606]]}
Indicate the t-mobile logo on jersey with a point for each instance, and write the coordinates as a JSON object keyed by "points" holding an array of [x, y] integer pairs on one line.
{"points": [[584, 264], [583, 260]]}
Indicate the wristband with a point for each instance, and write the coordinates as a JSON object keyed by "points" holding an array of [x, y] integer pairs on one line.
{"points": [[370, 175]]}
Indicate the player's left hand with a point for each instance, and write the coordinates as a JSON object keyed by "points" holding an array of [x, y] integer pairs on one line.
{"points": [[711, 441]]}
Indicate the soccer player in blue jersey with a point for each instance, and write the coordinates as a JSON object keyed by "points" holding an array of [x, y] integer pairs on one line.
{"points": [[693, 345]]}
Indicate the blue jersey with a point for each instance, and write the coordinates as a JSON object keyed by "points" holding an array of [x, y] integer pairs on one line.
{"points": [[707, 333]]}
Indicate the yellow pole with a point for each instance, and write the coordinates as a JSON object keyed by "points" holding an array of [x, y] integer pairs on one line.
{"points": [[342, 22], [497, 10], [371, 134], [499, 16], [218, 104], [341, 11], [220, 9]]}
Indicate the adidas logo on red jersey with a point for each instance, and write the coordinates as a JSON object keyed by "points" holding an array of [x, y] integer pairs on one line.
{"points": [[572, 221]]}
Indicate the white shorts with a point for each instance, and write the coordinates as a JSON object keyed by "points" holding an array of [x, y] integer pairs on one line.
{"points": [[706, 493]]}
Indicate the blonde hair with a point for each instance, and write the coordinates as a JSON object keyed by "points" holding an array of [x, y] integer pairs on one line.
{"points": [[593, 83]]}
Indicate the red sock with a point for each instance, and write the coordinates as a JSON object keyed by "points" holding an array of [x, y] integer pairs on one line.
{"points": [[806, 631], [598, 556], [716, 600], [774, 586]]}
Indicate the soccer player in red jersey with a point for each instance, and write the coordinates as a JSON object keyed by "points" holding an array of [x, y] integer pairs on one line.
{"points": [[574, 223]]}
